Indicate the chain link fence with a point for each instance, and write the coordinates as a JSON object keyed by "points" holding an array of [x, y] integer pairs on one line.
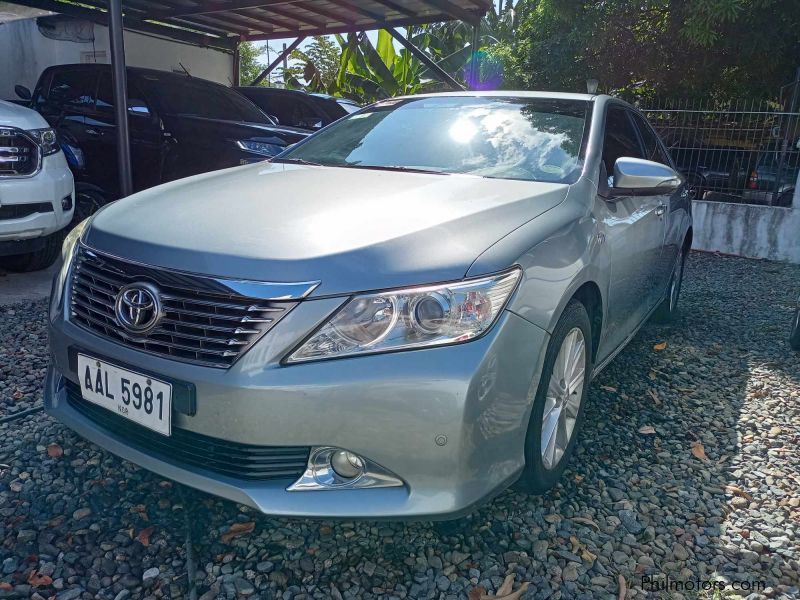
{"points": [[744, 151]]}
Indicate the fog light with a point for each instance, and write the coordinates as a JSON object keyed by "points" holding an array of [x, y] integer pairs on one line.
{"points": [[66, 203], [346, 464]]}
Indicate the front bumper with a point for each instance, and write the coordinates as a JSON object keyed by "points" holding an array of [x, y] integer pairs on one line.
{"points": [[395, 409], [51, 184]]}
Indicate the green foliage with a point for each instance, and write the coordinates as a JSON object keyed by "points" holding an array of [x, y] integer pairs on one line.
{"points": [[249, 65], [634, 48], [654, 47]]}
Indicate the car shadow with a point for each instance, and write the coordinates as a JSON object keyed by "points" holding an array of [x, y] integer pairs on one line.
{"points": [[680, 478]]}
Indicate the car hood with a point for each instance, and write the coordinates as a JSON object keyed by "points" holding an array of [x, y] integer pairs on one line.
{"points": [[14, 115], [183, 125], [351, 229]]}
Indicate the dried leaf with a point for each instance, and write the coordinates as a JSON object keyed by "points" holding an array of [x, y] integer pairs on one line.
{"points": [[647, 430], [552, 518], [588, 556], [623, 587], [17, 395], [36, 579], [144, 536], [699, 451], [586, 521], [55, 451], [655, 397], [608, 388], [518, 594], [237, 530], [660, 347], [5, 586], [477, 593], [737, 491], [505, 589], [578, 478]]}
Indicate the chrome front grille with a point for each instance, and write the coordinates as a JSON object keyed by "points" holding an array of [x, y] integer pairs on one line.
{"points": [[201, 322], [19, 153]]}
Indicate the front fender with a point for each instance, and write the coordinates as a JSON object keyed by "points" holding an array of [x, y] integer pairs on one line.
{"points": [[559, 251]]}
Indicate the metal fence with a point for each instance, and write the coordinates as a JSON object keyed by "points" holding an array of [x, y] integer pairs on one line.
{"points": [[745, 151]]}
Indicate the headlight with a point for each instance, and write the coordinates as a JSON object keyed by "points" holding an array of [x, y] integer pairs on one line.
{"points": [[46, 139], [411, 318], [67, 252], [263, 148]]}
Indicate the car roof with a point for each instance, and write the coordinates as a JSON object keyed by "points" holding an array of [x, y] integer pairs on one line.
{"points": [[513, 94], [271, 90], [137, 70]]}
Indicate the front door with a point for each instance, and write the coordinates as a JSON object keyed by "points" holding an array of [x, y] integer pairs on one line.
{"points": [[633, 228]]}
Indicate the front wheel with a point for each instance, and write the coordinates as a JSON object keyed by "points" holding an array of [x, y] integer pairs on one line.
{"points": [[38, 260], [557, 410]]}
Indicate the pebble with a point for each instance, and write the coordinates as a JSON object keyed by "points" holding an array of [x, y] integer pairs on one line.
{"points": [[642, 504]]}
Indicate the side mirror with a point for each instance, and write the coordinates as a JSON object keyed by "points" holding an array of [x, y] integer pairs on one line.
{"points": [[23, 92], [639, 177]]}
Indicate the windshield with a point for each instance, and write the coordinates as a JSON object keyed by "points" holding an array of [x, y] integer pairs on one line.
{"points": [[534, 139], [179, 95]]}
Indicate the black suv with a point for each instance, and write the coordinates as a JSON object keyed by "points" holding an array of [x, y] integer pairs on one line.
{"points": [[298, 108], [179, 125]]}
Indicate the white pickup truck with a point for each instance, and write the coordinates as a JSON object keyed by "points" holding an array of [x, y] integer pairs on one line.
{"points": [[37, 192]]}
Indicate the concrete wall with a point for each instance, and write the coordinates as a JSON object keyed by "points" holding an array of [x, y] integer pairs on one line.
{"points": [[748, 230], [25, 53]]}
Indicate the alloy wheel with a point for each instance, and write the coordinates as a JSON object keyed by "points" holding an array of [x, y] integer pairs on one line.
{"points": [[564, 396]]}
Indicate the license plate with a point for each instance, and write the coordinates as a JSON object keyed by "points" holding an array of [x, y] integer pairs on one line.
{"points": [[136, 397]]}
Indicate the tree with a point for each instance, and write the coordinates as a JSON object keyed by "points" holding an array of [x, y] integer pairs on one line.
{"points": [[654, 47], [249, 65]]}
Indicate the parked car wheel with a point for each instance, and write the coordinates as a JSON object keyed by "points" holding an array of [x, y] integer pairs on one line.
{"points": [[785, 198], [87, 202], [668, 308], [38, 260], [695, 185], [559, 402], [794, 336]]}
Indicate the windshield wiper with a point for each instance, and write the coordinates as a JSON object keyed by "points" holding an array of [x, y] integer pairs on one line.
{"points": [[296, 161], [400, 168]]}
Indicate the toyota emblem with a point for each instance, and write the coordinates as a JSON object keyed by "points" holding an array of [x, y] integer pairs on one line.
{"points": [[138, 308]]}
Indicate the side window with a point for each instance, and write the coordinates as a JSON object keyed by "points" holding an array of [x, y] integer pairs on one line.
{"points": [[620, 138], [652, 148], [105, 97], [73, 89]]}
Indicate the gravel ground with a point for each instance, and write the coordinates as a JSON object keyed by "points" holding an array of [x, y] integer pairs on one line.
{"points": [[687, 467]]}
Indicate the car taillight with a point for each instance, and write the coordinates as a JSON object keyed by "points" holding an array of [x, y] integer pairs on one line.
{"points": [[752, 181]]}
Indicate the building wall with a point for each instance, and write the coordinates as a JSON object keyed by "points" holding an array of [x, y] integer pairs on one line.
{"points": [[769, 232], [25, 53]]}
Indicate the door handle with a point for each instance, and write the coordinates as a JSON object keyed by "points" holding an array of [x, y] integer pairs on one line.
{"points": [[661, 209], [93, 132]]}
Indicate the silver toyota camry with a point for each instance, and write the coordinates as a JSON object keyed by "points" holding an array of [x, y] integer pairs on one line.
{"points": [[397, 317]]}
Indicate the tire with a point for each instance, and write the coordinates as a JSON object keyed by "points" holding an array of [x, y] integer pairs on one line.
{"points": [[696, 186], [785, 198], [543, 467], [668, 309], [87, 202], [38, 260], [794, 336]]}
